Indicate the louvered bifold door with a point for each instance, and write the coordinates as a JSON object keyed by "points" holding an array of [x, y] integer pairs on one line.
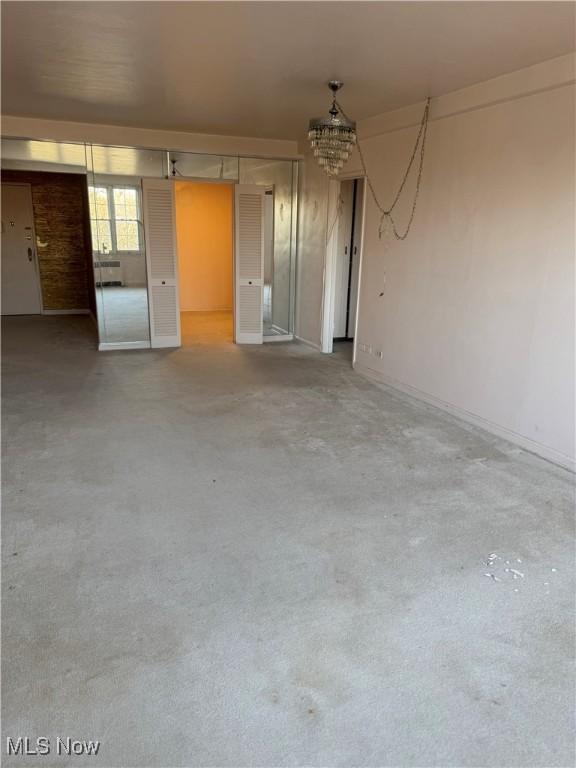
{"points": [[161, 262], [249, 263]]}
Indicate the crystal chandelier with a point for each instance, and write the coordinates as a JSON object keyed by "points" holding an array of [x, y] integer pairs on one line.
{"points": [[332, 138]]}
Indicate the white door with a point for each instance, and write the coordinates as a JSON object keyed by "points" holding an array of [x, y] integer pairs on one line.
{"points": [[20, 278], [161, 262], [249, 233]]}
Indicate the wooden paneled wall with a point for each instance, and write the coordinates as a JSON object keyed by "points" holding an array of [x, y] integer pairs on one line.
{"points": [[62, 224]]}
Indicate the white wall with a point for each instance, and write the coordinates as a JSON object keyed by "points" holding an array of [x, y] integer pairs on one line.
{"points": [[477, 312]]}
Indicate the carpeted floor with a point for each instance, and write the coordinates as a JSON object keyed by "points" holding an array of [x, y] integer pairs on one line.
{"points": [[225, 556]]}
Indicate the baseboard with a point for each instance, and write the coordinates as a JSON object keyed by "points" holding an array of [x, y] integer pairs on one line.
{"points": [[66, 312], [114, 346], [308, 343], [278, 337], [544, 451]]}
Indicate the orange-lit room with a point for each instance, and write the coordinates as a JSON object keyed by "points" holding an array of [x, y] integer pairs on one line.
{"points": [[204, 224]]}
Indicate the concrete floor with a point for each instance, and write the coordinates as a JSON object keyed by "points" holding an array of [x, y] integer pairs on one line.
{"points": [[226, 556]]}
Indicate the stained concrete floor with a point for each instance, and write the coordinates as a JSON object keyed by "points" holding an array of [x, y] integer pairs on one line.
{"points": [[226, 556]]}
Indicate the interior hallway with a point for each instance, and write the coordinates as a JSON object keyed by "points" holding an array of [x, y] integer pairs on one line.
{"points": [[225, 556]]}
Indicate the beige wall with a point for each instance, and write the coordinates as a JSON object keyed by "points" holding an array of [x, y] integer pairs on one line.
{"points": [[477, 307], [204, 226]]}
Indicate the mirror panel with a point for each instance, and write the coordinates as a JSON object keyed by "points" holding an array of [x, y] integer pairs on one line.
{"points": [[118, 242], [194, 166], [119, 258], [127, 161], [50, 156], [277, 176]]}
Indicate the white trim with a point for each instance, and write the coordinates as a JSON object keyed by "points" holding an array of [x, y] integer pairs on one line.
{"points": [[109, 346], [544, 451], [329, 285], [67, 312], [365, 191], [278, 337], [308, 343]]}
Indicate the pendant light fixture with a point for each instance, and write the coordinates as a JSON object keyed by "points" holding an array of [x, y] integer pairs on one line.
{"points": [[332, 138]]}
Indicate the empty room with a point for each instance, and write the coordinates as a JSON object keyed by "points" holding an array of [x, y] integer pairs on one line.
{"points": [[288, 357]]}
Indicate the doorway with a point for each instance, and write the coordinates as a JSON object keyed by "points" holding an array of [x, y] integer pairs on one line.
{"points": [[343, 268], [204, 230], [21, 293]]}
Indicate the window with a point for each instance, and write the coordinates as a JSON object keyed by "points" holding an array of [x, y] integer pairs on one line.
{"points": [[115, 219]]}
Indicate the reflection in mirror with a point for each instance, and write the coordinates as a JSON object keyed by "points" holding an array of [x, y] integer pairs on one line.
{"points": [[194, 166], [127, 161], [277, 176], [118, 243], [52, 156], [119, 259]]}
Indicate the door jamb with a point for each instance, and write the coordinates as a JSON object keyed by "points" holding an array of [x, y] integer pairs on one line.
{"points": [[329, 287]]}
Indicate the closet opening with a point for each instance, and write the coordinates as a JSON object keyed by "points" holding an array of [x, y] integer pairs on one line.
{"points": [[347, 265], [205, 241]]}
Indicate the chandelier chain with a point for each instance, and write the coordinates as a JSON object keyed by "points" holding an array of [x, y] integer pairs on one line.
{"points": [[386, 213]]}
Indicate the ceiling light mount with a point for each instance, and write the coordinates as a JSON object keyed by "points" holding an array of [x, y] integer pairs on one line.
{"points": [[332, 138]]}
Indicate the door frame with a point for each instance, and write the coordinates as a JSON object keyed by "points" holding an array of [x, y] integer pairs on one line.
{"points": [[222, 182], [329, 288], [34, 241]]}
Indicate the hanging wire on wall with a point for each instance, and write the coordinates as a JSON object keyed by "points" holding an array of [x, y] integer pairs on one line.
{"points": [[386, 213]]}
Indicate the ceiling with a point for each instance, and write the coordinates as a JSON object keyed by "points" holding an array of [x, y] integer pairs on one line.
{"points": [[259, 68]]}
